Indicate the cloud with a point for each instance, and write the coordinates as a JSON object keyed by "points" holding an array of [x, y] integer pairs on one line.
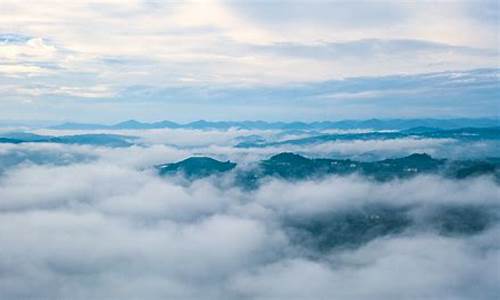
{"points": [[159, 146], [333, 20], [373, 48], [79, 221], [225, 44], [435, 268]]}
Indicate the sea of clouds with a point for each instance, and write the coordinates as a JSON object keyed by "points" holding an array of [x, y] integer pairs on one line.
{"points": [[86, 222], [221, 144]]}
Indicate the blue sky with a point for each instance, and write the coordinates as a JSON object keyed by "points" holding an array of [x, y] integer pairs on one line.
{"points": [[105, 61]]}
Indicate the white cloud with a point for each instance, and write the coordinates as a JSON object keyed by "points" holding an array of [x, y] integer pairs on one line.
{"points": [[97, 50], [13, 70], [79, 229], [433, 268], [213, 41]]}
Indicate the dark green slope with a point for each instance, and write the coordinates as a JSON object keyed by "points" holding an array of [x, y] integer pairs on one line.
{"points": [[295, 167], [196, 167], [110, 140], [354, 227], [290, 166], [4, 140]]}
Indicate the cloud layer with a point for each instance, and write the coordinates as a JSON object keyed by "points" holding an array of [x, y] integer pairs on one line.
{"points": [[79, 222], [88, 59]]}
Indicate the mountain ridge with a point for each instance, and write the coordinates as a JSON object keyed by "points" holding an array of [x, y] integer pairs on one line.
{"points": [[97, 139], [379, 124], [291, 166]]}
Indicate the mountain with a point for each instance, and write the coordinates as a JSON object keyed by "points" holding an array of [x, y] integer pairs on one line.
{"points": [[469, 168], [4, 140], [131, 124], [109, 140], [351, 228], [295, 167], [376, 124], [196, 167], [466, 134], [165, 124], [25, 136], [290, 166]]}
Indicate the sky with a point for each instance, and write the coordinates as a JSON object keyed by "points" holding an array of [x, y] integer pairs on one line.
{"points": [[107, 61]]}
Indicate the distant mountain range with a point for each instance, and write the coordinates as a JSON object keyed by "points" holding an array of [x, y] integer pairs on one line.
{"points": [[290, 166], [464, 134], [256, 141], [377, 124]]}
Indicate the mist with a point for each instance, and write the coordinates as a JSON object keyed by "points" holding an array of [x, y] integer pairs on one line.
{"points": [[80, 222]]}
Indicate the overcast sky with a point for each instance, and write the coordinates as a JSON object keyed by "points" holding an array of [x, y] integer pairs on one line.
{"points": [[106, 61]]}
